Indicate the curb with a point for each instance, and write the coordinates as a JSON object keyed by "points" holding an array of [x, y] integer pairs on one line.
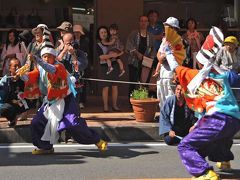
{"points": [[22, 134]]}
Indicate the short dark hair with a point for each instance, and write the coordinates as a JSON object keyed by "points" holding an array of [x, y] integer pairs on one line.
{"points": [[191, 19], [14, 59], [113, 26], [152, 11]]}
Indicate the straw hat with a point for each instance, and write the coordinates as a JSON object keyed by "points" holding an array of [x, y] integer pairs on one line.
{"points": [[65, 26]]}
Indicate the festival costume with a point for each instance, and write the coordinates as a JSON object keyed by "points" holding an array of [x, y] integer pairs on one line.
{"points": [[213, 97], [59, 111], [57, 93], [213, 134]]}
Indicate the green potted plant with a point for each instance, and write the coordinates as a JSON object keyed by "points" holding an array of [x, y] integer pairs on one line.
{"points": [[144, 107]]}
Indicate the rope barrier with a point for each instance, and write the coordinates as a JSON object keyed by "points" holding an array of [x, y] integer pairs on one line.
{"points": [[128, 82], [123, 82]]}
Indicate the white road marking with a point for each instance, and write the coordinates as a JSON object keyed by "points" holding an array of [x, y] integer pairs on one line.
{"points": [[19, 145]]}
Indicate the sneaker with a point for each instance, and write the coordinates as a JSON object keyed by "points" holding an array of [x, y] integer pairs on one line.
{"points": [[122, 73], [210, 175], [81, 105], [109, 70], [42, 151], [102, 145], [224, 166]]}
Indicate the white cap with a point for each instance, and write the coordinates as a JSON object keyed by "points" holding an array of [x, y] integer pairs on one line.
{"points": [[48, 50], [173, 22]]}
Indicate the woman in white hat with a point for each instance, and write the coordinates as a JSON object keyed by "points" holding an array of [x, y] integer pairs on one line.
{"points": [[164, 89]]}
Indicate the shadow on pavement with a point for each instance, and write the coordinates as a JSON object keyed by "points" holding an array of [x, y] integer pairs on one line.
{"points": [[232, 174], [120, 152], [27, 159], [77, 157]]}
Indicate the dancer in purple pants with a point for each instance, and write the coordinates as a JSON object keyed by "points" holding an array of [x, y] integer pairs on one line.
{"points": [[208, 92], [60, 111]]}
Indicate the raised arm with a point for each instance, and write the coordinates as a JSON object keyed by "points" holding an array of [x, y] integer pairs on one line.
{"points": [[47, 67]]}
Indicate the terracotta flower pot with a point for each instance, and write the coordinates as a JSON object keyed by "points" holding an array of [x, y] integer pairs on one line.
{"points": [[144, 110]]}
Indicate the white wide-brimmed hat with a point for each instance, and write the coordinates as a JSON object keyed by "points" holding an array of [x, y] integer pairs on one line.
{"points": [[173, 22]]}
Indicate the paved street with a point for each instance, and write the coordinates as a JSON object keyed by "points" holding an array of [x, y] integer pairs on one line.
{"points": [[121, 161]]}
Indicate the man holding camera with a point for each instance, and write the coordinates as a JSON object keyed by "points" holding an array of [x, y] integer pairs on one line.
{"points": [[72, 57]]}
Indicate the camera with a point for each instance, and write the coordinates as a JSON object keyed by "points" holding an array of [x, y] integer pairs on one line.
{"points": [[26, 36], [75, 45]]}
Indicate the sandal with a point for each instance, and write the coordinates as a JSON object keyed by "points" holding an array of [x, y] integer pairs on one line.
{"points": [[102, 145], [42, 151]]}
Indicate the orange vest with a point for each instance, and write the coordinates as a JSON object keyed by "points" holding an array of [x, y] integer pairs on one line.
{"points": [[31, 88], [57, 84]]}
